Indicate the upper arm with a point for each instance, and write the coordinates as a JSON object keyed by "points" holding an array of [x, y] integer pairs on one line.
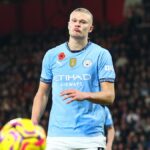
{"points": [[108, 87], [44, 88], [106, 71], [46, 73]]}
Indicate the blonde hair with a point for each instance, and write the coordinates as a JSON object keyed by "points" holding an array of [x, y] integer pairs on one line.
{"points": [[83, 10]]}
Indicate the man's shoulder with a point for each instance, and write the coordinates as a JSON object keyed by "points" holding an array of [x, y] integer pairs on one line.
{"points": [[99, 48], [58, 47], [53, 52]]}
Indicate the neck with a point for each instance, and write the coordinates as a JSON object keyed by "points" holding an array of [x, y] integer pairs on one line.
{"points": [[77, 44]]}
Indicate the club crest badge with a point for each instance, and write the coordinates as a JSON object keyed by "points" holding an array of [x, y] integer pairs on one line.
{"points": [[73, 62], [87, 63]]}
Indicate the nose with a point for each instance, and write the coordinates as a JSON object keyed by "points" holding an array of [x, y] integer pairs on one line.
{"points": [[77, 24]]}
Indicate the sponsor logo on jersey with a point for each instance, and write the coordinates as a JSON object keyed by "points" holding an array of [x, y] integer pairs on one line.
{"points": [[73, 62], [73, 80], [87, 63], [108, 68], [73, 77]]}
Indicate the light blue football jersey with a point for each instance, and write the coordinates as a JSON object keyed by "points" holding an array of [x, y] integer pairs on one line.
{"points": [[108, 120], [81, 70]]}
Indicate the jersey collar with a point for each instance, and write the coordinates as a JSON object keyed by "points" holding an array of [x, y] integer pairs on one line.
{"points": [[76, 51]]}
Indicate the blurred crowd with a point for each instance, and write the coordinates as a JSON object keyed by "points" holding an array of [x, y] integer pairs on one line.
{"points": [[20, 66]]}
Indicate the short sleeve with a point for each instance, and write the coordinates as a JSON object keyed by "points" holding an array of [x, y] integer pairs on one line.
{"points": [[106, 71], [46, 73]]}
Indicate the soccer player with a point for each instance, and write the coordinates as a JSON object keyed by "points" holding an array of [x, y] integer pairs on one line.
{"points": [[110, 131], [81, 75]]}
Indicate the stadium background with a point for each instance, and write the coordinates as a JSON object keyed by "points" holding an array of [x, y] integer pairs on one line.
{"points": [[28, 28]]}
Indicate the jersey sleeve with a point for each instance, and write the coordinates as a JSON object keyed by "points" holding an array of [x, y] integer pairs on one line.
{"points": [[46, 73], [106, 71], [108, 120]]}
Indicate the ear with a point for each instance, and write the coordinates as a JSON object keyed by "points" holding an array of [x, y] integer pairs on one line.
{"points": [[91, 28]]}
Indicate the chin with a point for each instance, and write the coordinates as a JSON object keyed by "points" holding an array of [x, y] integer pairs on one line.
{"points": [[77, 36]]}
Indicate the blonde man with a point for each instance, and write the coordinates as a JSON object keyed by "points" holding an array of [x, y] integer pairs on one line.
{"points": [[82, 76]]}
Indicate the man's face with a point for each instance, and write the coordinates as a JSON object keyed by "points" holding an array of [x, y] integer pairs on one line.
{"points": [[80, 25]]}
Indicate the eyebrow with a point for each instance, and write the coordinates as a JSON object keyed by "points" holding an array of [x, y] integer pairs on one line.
{"points": [[78, 19]]}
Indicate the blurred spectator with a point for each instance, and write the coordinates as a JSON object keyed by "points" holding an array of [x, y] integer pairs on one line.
{"points": [[133, 6]]}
